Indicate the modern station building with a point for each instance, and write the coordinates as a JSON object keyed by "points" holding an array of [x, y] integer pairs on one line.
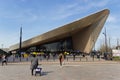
{"points": [[79, 35]]}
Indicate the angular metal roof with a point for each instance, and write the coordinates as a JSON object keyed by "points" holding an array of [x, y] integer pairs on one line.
{"points": [[64, 31]]}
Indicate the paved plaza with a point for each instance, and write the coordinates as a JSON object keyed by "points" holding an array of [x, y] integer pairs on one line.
{"points": [[99, 70]]}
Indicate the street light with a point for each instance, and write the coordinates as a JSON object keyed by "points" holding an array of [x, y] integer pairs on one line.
{"points": [[20, 44], [105, 40], [2, 46]]}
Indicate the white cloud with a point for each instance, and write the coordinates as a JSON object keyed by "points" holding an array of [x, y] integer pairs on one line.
{"points": [[65, 10], [8, 40], [111, 19], [78, 7], [101, 3]]}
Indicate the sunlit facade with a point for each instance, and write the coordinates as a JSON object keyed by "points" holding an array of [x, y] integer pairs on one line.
{"points": [[79, 35]]}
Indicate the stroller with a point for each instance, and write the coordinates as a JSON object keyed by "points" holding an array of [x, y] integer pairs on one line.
{"points": [[38, 70]]}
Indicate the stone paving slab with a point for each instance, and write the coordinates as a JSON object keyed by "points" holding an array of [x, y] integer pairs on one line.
{"points": [[71, 71]]}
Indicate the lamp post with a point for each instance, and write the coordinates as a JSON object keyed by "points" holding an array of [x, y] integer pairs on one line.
{"points": [[2, 46], [117, 42], [106, 49], [94, 43], [20, 44]]}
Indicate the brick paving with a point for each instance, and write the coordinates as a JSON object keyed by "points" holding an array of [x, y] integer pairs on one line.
{"points": [[97, 70]]}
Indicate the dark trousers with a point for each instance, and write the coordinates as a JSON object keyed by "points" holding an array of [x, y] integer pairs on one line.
{"points": [[60, 62], [4, 62], [32, 70]]}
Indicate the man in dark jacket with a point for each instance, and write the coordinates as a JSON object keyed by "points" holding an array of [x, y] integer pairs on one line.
{"points": [[34, 64]]}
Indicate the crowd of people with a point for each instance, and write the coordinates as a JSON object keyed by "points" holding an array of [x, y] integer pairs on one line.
{"points": [[35, 58]]}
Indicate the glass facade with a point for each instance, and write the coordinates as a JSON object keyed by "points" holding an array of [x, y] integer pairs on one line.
{"points": [[60, 45]]}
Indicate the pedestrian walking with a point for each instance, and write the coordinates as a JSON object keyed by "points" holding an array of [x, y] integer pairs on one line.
{"points": [[4, 60], [34, 64], [61, 58]]}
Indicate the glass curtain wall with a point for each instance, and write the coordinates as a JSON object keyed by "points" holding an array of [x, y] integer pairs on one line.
{"points": [[60, 45]]}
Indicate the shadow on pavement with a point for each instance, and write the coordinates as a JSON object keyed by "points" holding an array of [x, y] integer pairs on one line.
{"points": [[46, 73]]}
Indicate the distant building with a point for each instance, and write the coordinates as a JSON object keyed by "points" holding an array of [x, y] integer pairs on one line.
{"points": [[118, 47], [79, 35]]}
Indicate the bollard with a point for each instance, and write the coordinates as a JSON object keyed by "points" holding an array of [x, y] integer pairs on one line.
{"points": [[67, 58], [93, 58], [80, 58], [86, 59]]}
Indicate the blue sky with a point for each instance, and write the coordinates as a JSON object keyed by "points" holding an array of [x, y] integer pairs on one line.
{"points": [[40, 16]]}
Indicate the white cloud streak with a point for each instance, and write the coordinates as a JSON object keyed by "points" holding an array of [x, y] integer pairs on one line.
{"points": [[112, 19], [67, 10], [8, 40]]}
